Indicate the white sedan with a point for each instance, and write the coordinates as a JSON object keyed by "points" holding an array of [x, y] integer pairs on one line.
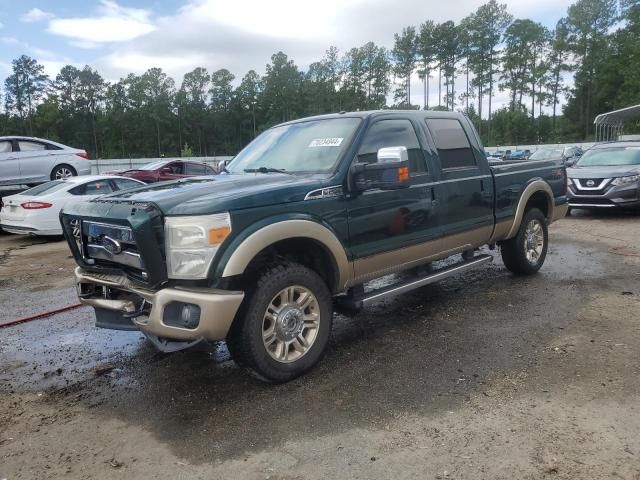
{"points": [[30, 160], [35, 211]]}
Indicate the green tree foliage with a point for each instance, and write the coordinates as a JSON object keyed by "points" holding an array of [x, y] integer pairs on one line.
{"points": [[404, 54], [427, 53], [24, 88], [589, 22], [486, 27]]}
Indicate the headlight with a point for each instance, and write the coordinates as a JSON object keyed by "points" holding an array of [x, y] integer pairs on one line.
{"points": [[192, 242], [569, 181], [624, 180]]}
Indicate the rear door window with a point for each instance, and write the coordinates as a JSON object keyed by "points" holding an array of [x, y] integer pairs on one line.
{"points": [[454, 148], [97, 187], [195, 169], [125, 184], [5, 146], [26, 146], [177, 168]]}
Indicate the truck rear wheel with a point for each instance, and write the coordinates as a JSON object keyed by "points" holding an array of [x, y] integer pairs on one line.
{"points": [[525, 253], [283, 327]]}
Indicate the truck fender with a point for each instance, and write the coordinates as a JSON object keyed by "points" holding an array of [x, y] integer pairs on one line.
{"points": [[534, 187], [287, 229]]}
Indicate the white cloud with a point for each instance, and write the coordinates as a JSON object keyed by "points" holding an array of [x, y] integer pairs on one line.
{"points": [[35, 15], [243, 34], [84, 44], [113, 23], [10, 41]]}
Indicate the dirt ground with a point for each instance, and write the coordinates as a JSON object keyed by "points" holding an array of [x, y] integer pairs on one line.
{"points": [[482, 376]]}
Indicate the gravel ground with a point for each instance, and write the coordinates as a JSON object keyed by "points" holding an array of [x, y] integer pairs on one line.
{"points": [[485, 375]]}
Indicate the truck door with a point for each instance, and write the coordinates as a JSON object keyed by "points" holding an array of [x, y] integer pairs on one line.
{"points": [[465, 190], [383, 223]]}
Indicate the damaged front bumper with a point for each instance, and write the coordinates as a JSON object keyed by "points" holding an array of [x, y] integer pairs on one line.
{"points": [[173, 318]]}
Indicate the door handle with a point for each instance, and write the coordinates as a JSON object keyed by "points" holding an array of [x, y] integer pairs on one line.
{"points": [[434, 201]]}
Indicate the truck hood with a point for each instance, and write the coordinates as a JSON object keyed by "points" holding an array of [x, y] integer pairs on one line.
{"points": [[206, 195], [603, 172]]}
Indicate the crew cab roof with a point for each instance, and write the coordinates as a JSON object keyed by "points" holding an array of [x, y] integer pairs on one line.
{"points": [[376, 113]]}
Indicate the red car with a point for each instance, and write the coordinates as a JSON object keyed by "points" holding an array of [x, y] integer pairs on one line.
{"points": [[163, 170]]}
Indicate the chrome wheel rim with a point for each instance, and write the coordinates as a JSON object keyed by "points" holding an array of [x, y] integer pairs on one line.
{"points": [[533, 241], [63, 172], [290, 324]]}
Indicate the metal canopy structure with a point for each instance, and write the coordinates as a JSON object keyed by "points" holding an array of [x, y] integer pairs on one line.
{"points": [[609, 125]]}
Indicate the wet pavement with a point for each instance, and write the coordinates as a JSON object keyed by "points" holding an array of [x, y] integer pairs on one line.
{"points": [[484, 375]]}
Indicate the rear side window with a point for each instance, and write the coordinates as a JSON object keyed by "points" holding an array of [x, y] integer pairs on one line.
{"points": [[177, 168], [46, 188], [5, 147], [30, 146], [124, 184], [452, 143], [195, 169], [392, 133], [98, 187]]}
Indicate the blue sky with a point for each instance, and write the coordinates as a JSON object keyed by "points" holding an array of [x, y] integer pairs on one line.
{"points": [[121, 36]]}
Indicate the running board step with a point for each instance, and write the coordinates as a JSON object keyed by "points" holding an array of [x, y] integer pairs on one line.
{"points": [[351, 303]]}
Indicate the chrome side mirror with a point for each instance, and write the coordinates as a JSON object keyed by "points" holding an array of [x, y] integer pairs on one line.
{"points": [[393, 154]]}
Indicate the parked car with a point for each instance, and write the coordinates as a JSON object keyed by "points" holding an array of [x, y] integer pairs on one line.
{"points": [[606, 176], [163, 170], [309, 212], [516, 155], [30, 161], [568, 155], [36, 211], [496, 156]]}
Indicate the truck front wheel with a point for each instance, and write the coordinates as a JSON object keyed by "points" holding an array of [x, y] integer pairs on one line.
{"points": [[525, 253], [284, 324]]}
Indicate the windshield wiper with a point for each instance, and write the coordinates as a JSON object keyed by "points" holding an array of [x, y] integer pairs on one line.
{"points": [[266, 170]]}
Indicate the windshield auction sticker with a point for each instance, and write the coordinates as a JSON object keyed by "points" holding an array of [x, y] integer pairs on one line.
{"points": [[326, 142]]}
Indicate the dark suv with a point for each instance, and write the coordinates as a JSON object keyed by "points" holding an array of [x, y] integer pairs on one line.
{"points": [[607, 176]]}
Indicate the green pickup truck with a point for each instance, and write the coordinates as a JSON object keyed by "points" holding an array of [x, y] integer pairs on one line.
{"points": [[298, 225]]}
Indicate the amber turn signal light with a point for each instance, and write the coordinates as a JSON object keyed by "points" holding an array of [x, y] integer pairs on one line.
{"points": [[403, 174], [217, 235]]}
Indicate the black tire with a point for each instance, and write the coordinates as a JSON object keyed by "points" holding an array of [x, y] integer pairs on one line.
{"points": [[245, 339], [60, 168], [514, 251]]}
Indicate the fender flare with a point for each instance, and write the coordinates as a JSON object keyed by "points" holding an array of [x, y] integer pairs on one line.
{"points": [[288, 229], [534, 187]]}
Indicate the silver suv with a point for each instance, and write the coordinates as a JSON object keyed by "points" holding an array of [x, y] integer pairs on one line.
{"points": [[29, 160], [607, 176]]}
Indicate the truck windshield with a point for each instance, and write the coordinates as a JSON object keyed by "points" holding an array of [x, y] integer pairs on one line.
{"points": [[609, 157], [304, 147]]}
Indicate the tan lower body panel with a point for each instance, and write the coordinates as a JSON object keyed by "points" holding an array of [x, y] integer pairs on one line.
{"points": [[398, 260], [501, 231]]}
